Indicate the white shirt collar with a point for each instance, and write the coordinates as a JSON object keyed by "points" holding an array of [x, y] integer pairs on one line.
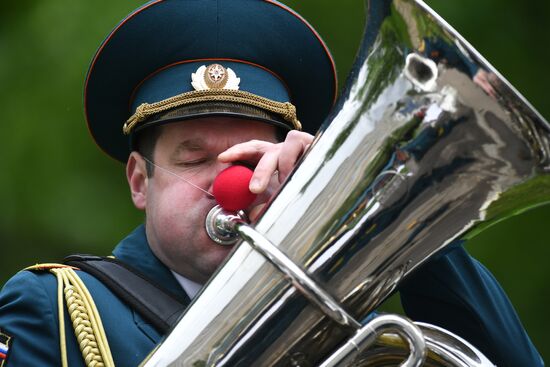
{"points": [[189, 286]]}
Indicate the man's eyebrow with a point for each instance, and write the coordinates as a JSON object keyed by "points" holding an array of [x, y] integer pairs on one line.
{"points": [[190, 145]]}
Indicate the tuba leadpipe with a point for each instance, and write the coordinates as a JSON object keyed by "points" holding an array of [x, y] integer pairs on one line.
{"points": [[427, 143]]}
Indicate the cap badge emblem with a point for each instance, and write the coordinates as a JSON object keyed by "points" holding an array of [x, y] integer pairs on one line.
{"points": [[214, 76]]}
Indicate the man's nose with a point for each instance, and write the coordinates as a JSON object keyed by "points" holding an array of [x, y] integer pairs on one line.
{"points": [[215, 171]]}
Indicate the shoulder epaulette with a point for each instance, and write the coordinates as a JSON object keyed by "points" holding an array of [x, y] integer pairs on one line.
{"points": [[48, 267], [83, 313]]}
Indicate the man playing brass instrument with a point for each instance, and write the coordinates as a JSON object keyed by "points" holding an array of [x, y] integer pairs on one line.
{"points": [[179, 91]]}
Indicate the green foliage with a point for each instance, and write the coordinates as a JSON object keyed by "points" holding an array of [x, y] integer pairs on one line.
{"points": [[60, 194]]}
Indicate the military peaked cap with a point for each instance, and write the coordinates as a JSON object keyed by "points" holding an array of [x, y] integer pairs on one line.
{"points": [[172, 60]]}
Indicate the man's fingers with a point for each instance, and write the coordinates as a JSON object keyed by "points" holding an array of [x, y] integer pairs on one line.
{"points": [[264, 170], [292, 149], [268, 157], [250, 150]]}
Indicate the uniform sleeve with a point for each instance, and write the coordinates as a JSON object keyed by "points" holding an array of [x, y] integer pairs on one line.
{"points": [[456, 292], [28, 314]]}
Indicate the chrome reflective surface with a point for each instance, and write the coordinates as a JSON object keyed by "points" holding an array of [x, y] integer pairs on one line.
{"points": [[216, 225], [298, 277], [415, 347], [427, 144], [443, 349]]}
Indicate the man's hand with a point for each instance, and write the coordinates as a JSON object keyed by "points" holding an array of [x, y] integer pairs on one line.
{"points": [[270, 158]]}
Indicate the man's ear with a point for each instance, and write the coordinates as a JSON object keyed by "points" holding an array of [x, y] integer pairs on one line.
{"points": [[136, 174]]}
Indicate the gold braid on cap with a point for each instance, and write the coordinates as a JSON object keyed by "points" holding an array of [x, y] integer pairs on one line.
{"points": [[285, 109]]}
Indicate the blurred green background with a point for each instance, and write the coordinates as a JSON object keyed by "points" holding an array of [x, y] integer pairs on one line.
{"points": [[59, 194]]}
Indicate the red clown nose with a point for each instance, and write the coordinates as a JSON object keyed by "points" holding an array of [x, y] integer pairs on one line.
{"points": [[230, 188]]}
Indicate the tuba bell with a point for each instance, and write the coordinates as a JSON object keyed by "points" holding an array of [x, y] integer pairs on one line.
{"points": [[427, 143]]}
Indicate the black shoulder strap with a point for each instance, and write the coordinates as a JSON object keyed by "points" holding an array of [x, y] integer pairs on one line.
{"points": [[151, 301]]}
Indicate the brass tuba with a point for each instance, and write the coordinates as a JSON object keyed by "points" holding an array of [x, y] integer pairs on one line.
{"points": [[426, 144]]}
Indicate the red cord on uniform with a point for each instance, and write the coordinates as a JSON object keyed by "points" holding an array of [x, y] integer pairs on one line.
{"points": [[230, 188]]}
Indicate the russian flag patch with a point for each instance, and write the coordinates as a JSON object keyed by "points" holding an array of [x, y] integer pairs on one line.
{"points": [[5, 341]]}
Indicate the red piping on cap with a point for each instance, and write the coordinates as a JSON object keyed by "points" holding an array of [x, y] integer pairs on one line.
{"points": [[131, 15], [325, 47]]}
